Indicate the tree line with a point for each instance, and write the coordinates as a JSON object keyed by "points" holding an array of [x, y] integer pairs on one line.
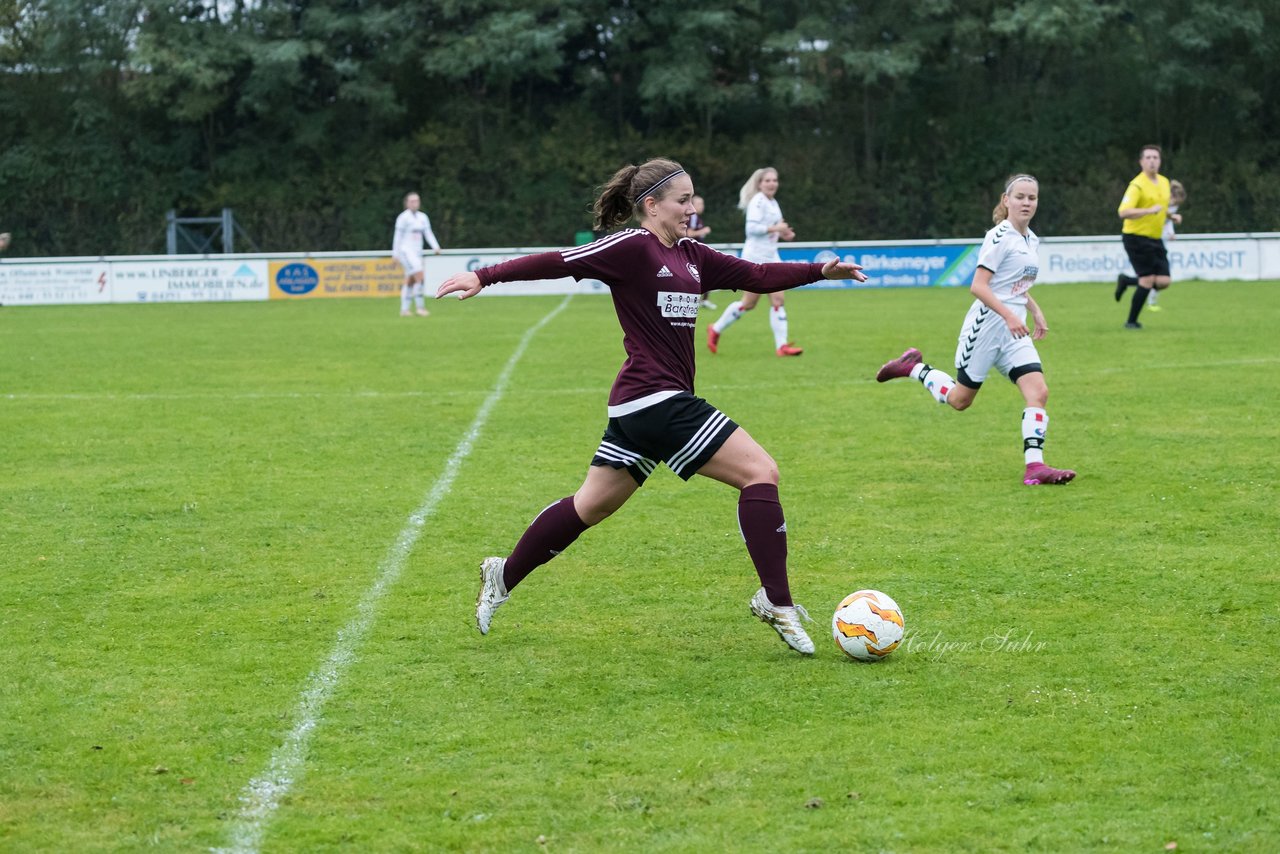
{"points": [[312, 118]]}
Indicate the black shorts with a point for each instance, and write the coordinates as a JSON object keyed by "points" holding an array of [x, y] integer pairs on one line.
{"points": [[683, 431], [1147, 255]]}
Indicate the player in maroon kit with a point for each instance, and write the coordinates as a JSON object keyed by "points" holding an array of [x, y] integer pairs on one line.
{"points": [[657, 275]]}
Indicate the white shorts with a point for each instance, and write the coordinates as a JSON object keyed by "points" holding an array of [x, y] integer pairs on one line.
{"points": [[411, 261], [761, 256], [986, 342]]}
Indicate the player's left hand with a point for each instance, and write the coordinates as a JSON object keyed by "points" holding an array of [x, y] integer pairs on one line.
{"points": [[465, 285], [837, 269], [1041, 328]]}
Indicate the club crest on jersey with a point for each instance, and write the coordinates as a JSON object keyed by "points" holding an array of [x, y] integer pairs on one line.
{"points": [[665, 272], [677, 304], [693, 271]]}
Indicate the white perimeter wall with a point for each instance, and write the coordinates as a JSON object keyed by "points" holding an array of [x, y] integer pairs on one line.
{"points": [[910, 263]]}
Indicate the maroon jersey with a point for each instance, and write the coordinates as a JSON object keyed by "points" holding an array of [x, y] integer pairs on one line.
{"points": [[655, 290]]}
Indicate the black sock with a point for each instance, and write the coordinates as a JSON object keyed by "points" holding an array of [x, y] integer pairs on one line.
{"points": [[1139, 300], [1128, 281]]}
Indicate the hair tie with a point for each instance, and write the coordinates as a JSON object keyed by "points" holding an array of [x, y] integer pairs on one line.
{"points": [[1016, 178], [659, 184]]}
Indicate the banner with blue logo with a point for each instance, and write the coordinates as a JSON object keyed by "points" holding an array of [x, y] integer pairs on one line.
{"points": [[900, 266]]}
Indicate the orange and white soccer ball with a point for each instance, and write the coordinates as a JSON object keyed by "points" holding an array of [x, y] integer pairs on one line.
{"points": [[868, 625]]}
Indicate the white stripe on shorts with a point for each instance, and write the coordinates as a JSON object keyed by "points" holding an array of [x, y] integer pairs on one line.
{"points": [[698, 443], [610, 451]]}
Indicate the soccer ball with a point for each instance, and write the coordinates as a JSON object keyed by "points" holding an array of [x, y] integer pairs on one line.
{"points": [[867, 625]]}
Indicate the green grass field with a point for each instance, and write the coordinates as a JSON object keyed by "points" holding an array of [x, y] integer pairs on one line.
{"points": [[198, 504]]}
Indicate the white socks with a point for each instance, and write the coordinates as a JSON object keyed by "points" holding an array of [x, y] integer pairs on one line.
{"points": [[1035, 423], [731, 314], [406, 297], [778, 322], [937, 383]]}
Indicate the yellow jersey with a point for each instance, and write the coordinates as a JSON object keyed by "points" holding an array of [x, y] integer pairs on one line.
{"points": [[1141, 193]]}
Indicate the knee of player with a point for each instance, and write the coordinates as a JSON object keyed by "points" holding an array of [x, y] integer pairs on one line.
{"points": [[959, 402], [765, 472], [594, 517]]}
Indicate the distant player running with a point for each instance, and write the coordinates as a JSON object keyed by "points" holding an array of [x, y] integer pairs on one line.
{"points": [[412, 226], [765, 227], [1007, 269], [656, 275]]}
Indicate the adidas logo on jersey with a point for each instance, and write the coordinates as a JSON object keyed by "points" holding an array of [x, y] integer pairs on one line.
{"points": [[665, 272]]}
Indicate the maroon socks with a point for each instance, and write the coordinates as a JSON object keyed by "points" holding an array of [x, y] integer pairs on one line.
{"points": [[759, 517], [765, 531], [553, 531]]}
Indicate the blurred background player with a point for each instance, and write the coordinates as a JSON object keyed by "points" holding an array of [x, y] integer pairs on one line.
{"points": [[655, 277], [1144, 210], [1177, 197], [698, 230], [412, 226], [1008, 264], [765, 227]]}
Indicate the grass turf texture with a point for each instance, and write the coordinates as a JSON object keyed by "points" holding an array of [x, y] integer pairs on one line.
{"points": [[195, 497]]}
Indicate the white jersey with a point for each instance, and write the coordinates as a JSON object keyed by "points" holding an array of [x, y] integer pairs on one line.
{"points": [[761, 246], [1014, 262], [411, 228]]}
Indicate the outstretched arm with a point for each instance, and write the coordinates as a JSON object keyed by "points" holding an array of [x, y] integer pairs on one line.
{"points": [[725, 272], [529, 268]]}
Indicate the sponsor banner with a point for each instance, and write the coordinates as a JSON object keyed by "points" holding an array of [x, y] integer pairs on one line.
{"points": [[312, 278], [71, 283], [944, 265], [1189, 258], [188, 280]]}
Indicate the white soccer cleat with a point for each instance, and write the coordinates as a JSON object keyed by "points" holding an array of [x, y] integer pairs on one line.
{"points": [[785, 620], [492, 591]]}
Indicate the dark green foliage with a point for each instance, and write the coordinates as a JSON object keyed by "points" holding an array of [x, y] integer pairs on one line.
{"points": [[313, 117]]}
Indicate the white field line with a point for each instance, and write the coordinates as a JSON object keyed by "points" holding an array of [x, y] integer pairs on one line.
{"points": [[262, 796]]}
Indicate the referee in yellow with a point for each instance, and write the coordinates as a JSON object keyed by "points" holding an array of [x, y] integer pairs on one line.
{"points": [[1144, 208]]}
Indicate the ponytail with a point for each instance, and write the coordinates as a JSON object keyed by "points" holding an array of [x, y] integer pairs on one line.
{"points": [[613, 207], [623, 195]]}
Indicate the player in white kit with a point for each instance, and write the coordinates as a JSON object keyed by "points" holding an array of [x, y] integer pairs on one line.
{"points": [[765, 227], [412, 226], [995, 333]]}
